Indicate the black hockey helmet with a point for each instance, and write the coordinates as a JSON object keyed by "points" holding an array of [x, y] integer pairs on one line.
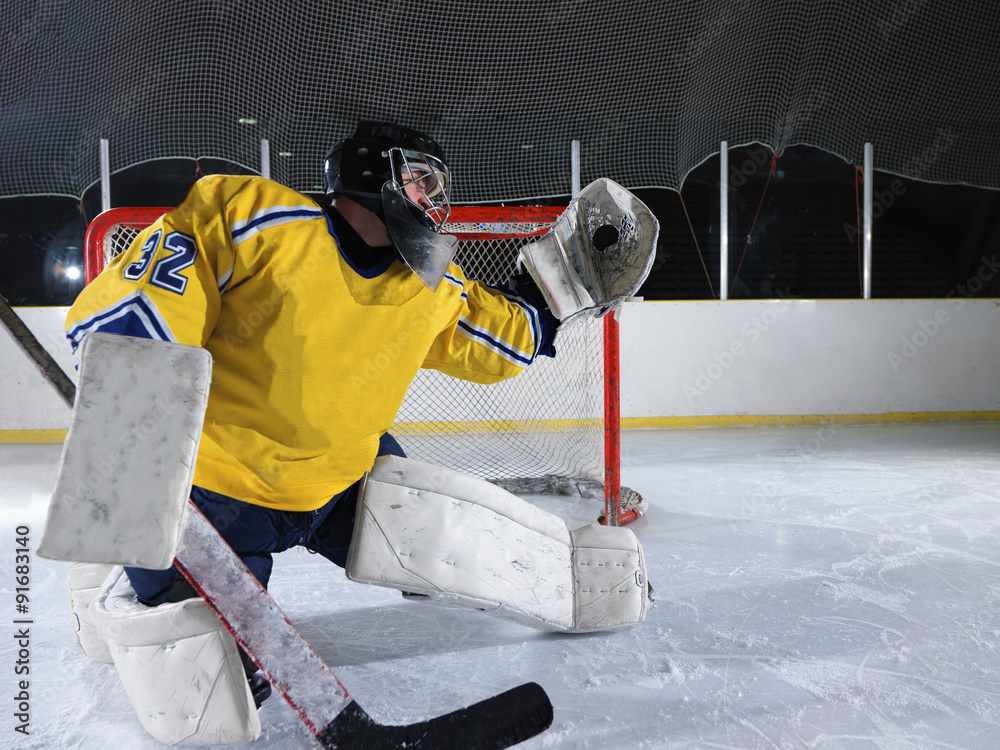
{"points": [[380, 152], [400, 175]]}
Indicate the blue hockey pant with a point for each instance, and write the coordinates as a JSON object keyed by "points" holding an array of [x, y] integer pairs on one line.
{"points": [[255, 533]]}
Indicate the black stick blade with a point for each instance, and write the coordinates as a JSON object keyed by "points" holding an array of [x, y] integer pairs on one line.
{"points": [[495, 723]]}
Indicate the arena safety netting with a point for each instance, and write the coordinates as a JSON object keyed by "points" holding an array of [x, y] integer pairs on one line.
{"points": [[649, 88]]}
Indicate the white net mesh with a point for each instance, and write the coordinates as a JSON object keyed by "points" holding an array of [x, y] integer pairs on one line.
{"points": [[539, 433], [650, 88], [547, 422]]}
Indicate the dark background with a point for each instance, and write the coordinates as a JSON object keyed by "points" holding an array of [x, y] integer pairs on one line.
{"points": [[794, 230]]}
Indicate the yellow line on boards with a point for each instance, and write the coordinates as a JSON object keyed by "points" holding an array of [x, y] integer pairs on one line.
{"points": [[628, 423]]}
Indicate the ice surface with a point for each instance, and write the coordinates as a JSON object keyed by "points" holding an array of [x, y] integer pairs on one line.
{"points": [[831, 587]]}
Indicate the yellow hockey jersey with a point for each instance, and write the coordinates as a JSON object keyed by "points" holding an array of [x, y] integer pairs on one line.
{"points": [[312, 356]]}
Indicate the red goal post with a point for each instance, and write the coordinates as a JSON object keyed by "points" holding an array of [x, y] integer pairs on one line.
{"points": [[555, 429]]}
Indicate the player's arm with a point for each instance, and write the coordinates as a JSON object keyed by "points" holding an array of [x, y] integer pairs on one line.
{"points": [[495, 332], [168, 284]]}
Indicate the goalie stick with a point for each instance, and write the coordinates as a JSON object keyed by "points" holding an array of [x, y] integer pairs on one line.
{"points": [[291, 665], [308, 684], [25, 339]]}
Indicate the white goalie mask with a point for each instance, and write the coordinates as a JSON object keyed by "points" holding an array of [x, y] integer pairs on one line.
{"points": [[416, 207], [425, 181]]}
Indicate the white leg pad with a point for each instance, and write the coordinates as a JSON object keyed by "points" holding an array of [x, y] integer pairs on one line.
{"points": [[87, 582], [181, 669], [463, 541], [610, 577]]}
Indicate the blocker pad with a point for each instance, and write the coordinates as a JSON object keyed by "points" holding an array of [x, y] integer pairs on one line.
{"points": [[128, 461], [463, 541]]}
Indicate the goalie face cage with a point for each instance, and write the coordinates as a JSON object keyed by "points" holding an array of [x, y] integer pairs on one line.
{"points": [[554, 429]]}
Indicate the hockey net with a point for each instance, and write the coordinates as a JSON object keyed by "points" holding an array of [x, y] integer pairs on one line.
{"points": [[554, 429]]}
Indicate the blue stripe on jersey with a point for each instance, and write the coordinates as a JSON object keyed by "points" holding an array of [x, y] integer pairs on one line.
{"points": [[135, 315], [272, 217], [530, 312], [454, 281], [486, 338], [535, 324]]}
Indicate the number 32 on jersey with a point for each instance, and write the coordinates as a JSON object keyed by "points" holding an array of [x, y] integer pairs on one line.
{"points": [[166, 270]]}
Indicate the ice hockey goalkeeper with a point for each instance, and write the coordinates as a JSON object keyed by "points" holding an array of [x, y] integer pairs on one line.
{"points": [[301, 304]]}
